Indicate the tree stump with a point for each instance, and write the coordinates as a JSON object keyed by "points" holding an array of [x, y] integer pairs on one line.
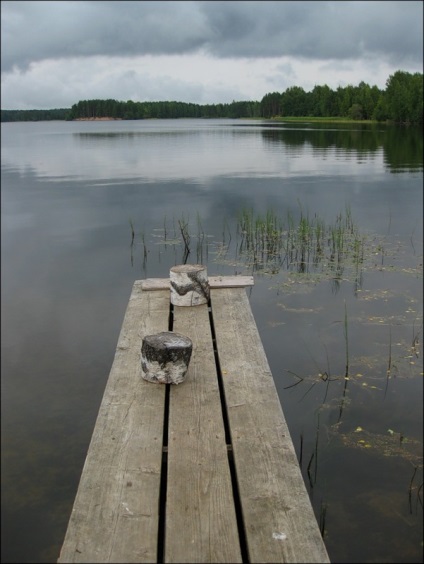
{"points": [[189, 285], [165, 357]]}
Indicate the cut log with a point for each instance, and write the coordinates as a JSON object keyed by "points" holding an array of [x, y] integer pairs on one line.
{"points": [[189, 285], [165, 357]]}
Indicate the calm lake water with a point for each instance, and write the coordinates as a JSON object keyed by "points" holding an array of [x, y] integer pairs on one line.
{"points": [[342, 331]]}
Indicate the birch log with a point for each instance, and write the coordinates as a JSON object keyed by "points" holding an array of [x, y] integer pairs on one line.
{"points": [[189, 285], [165, 357]]}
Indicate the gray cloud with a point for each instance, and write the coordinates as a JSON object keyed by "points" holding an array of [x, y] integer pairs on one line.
{"points": [[36, 31], [317, 30]]}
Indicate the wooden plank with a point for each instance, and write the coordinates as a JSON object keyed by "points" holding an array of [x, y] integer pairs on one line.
{"points": [[279, 520], [115, 514], [200, 515], [230, 281], [214, 282]]}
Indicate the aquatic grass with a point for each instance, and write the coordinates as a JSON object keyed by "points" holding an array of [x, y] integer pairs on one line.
{"points": [[326, 377], [301, 450], [345, 332], [260, 238], [185, 234], [145, 250], [200, 241], [322, 375], [164, 229], [308, 470], [132, 241], [346, 375], [298, 244], [132, 231], [416, 339], [312, 477], [322, 518], [389, 364], [410, 489]]}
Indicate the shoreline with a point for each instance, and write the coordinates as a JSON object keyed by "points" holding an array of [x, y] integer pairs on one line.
{"points": [[98, 119]]}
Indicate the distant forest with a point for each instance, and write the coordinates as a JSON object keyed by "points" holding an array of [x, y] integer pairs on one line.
{"points": [[401, 102]]}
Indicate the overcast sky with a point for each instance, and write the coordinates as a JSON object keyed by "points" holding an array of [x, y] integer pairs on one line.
{"points": [[55, 53]]}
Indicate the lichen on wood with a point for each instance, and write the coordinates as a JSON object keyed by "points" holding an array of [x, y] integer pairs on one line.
{"points": [[165, 357], [189, 285]]}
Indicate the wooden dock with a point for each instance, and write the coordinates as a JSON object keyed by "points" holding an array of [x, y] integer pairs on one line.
{"points": [[204, 471]]}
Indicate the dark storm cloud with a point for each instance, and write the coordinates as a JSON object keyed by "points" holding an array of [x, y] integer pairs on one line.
{"points": [[317, 30], [35, 31]]}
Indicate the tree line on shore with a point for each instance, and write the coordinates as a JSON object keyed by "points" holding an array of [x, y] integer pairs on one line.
{"points": [[401, 102]]}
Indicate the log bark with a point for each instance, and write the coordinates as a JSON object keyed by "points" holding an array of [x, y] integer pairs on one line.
{"points": [[189, 285], [165, 357]]}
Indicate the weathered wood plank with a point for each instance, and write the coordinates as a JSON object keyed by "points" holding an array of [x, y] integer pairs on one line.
{"points": [[214, 282], [200, 515], [279, 520], [230, 281], [115, 514]]}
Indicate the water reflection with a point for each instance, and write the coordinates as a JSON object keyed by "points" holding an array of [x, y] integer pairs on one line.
{"points": [[404, 153], [99, 136], [402, 149], [146, 151]]}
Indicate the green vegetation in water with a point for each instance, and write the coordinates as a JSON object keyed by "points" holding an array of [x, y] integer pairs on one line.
{"points": [[302, 247], [305, 247]]}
